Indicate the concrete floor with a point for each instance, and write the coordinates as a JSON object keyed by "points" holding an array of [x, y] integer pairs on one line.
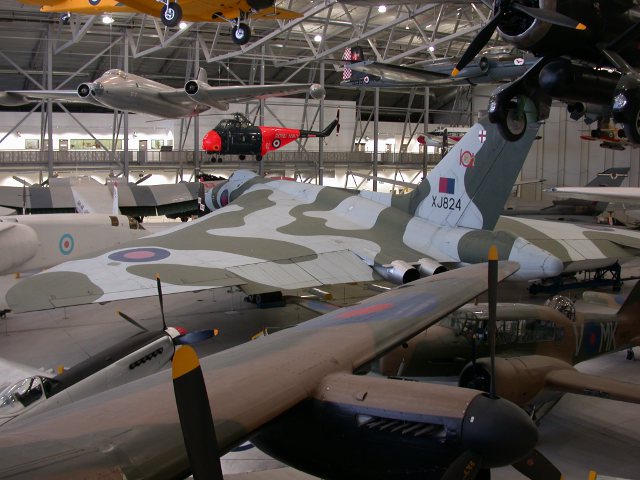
{"points": [[580, 434]]}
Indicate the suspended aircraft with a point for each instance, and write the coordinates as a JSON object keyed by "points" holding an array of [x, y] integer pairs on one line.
{"points": [[172, 13], [119, 90], [266, 236], [269, 389], [238, 136], [537, 347], [587, 54], [495, 65]]}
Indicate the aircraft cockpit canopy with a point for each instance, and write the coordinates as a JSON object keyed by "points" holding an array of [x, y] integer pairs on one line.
{"points": [[21, 395], [238, 121], [115, 72], [564, 305]]}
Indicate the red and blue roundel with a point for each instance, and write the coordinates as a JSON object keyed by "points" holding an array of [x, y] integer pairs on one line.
{"points": [[140, 255], [66, 244]]}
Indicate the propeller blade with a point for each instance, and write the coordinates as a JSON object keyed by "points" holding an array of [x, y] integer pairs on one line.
{"points": [[493, 300], [132, 321], [164, 323], [192, 338], [465, 467], [478, 43], [549, 16], [537, 467], [194, 411], [142, 179]]}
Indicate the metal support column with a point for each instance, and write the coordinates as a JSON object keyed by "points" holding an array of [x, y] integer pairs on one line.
{"points": [[425, 158], [50, 102], [321, 144], [263, 103], [125, 67], [196, 120], [376, 111]]}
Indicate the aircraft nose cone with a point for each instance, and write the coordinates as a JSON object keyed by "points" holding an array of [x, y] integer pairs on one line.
{"points": [[498, 430]]}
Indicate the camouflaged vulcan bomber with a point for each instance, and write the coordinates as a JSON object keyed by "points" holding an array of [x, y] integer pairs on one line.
{"points": [[273, 235]]}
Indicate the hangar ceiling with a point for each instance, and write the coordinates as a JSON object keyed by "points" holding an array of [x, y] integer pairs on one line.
{"points": [[406, 34]]}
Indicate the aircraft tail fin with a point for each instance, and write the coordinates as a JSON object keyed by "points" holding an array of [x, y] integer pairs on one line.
{"points": [[202, 76], [351, 77], [612, 177], [631, 306], [470, 185]]}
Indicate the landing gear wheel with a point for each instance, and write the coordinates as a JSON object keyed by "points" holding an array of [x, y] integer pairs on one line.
{"points": [[94, 2], [630, 354], [171, 14], [242, 157], [514, 122], [259, 158], [65, 19], [240, 34]]}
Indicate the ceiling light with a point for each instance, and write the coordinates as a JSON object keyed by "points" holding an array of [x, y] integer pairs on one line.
{"points": [[382, 9], [107, 19], [432, 48], [428, 26], [182, 25], [317, 38]]}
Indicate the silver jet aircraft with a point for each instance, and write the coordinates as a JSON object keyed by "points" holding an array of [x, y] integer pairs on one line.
{"points": [[266, 236], [118, 90]]}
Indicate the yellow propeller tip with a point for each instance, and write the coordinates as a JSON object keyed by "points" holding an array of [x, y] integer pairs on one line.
{"points": [[493, 253], [581, 26], [184, 361], [455, 72], [215, 332]]}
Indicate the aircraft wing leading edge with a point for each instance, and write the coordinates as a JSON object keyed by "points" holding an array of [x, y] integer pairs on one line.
{"points": [[571, 381]]}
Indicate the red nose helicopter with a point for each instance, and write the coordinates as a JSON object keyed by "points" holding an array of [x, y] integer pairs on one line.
{"points": [[238, 136]]}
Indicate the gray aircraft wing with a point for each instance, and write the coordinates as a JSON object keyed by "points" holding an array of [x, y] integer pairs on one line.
{"points": [[22, 97]]}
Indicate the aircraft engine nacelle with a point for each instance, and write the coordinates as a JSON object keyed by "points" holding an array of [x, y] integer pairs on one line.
{"points": [[561, 79], [212, 142], [430, 267], [11, 99], [523, 32], [201, 92], [18, 243], [398, 272], [626, 106], [518, 379], [88, 91]]}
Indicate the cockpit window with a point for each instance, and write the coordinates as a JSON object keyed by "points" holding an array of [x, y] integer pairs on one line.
{"points": [[19, 396], [564, 305]]}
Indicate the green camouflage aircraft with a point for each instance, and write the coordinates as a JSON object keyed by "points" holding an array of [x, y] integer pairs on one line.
{"points": [[272, 235], [295, 389], [537, 347]]}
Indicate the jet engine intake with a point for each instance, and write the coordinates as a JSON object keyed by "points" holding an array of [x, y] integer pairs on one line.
{"points": [[429, 267], [201, 92], [398, 272], [518, 379]]}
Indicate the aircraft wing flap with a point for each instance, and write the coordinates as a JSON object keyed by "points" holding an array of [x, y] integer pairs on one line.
{"points": [[276, 13], [572, 381], [310, 271]]}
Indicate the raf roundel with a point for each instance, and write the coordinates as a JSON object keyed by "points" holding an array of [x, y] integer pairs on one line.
{"points": [[276, 142], [140, 255], [66, 244]]}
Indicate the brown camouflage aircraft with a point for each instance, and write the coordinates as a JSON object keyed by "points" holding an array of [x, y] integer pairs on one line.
{"points": [[295, 389], [537, 346]]}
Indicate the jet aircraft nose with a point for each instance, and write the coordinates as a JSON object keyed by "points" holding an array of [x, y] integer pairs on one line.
{"points": [[498, 430], [97, 89]]}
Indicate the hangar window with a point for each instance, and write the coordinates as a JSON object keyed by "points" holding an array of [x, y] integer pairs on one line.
{"points": [[157, 143]]}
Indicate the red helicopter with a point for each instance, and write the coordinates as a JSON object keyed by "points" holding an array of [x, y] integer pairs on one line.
{"points": [[238, 136]]}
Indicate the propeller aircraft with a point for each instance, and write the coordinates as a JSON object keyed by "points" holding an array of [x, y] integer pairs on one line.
{"points": [[119, 90], [587, 53], [268, 389], [137, 357], [171, 13], [537, 347], [238, 136]]}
